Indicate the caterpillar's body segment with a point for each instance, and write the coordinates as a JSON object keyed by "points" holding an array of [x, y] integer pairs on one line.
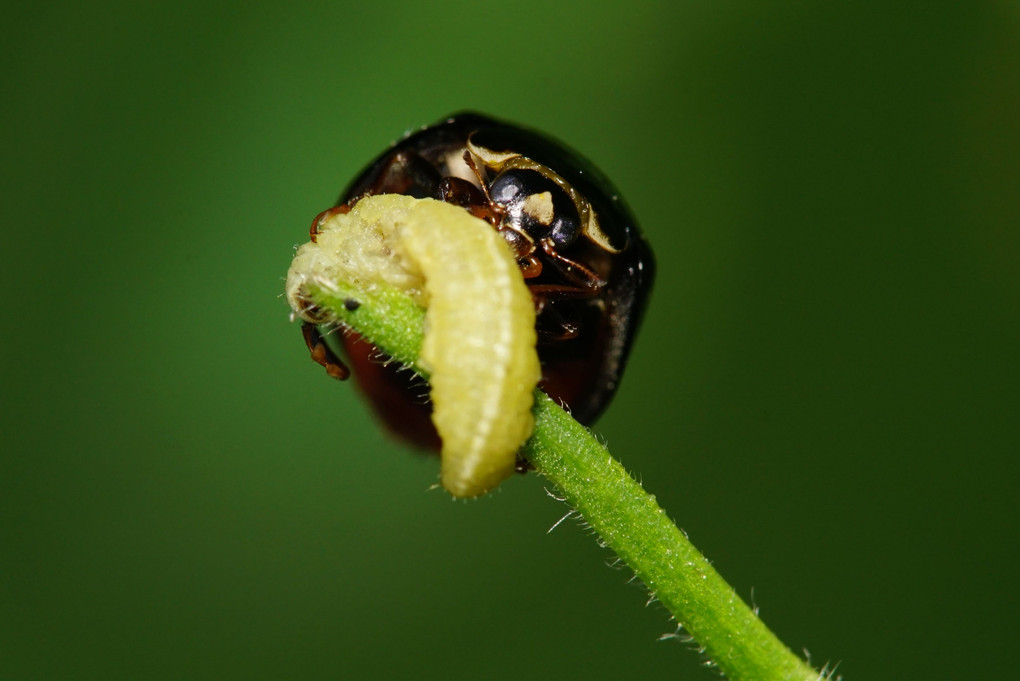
{"points": [[479, 346], [479, 343]]}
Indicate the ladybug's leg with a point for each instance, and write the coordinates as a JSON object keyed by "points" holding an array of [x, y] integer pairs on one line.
{"points": [[524, 250], [560, 292], [462, 193], [579, 283], [469, 159], [530, 266], [321, 353], [313, 231], [576, 273]]}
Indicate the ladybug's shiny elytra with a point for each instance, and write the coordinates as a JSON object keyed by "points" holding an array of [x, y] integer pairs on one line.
{"points": [[587, 265]]}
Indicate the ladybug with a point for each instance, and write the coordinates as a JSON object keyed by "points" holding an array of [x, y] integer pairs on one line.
{"points": [[587, 265]]}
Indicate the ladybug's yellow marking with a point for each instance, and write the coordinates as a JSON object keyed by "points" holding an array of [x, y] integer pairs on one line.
{"points": [[479, 343], [540, 207]]}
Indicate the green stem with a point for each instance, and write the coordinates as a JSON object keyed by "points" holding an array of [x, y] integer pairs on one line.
{"points": [[624, 515]]}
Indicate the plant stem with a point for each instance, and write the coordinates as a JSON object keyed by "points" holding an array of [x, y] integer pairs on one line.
{"points": [[625, 516], [630, 522]]}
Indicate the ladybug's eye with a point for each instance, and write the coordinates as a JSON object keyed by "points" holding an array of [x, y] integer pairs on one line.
{"points": [[534, 204]]}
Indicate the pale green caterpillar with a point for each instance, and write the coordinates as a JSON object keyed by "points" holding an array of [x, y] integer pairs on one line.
{"points": [[479, 343]]}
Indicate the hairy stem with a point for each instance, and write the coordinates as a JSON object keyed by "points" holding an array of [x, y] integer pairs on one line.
{"points": [[625, 516]]}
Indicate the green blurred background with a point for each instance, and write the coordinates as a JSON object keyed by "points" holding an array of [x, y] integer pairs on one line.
{"points": [[825, 394]]}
